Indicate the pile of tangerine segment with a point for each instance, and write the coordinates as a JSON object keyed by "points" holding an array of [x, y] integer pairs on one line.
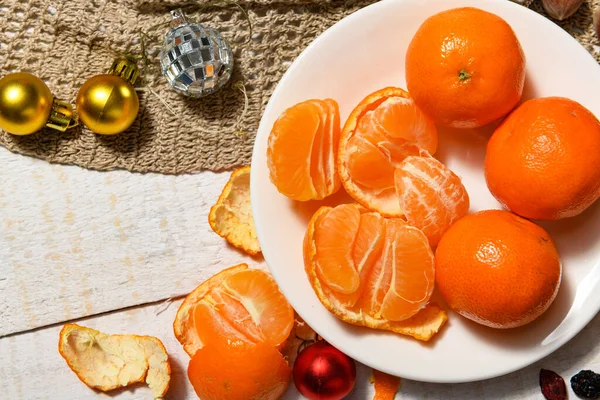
{"points": [[372, 263]]}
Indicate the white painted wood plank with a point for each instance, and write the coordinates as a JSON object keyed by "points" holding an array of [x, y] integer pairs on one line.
{"points": [[32, 369], [75, 242]]}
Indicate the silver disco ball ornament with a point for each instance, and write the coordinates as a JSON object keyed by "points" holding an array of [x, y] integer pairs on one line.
{"points": [[195, 59]]}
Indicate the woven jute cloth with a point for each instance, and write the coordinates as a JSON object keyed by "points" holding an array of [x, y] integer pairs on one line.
{"points": [[65, 42]]}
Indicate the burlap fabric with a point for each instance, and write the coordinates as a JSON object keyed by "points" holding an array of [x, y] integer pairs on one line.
{"points": [[64, 42]]}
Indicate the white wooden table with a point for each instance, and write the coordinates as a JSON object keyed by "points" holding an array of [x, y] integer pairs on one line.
{"points": [[75, 243]]}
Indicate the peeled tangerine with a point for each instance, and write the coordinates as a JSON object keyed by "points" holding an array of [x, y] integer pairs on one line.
{"points": [[232, 327], [384, 129], [107, 362], [302, 150], [386, 164], [236, 304], [231, 218], [372, 271]]}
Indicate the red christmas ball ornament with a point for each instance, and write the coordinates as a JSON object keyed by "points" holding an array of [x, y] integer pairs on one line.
{"points": [[322, 372]]}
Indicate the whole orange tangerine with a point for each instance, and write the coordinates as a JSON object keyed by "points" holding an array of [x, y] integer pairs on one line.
{"points": [[497, 269], [465, 68], [237, 370], [543, 161]]}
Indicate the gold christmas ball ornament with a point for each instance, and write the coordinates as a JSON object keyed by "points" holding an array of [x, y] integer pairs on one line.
{"points": [[108, 104], [25, 103]]}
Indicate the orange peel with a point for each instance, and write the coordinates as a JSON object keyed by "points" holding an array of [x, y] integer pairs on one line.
{"points": [[386, 385], [231, 217], [421, 326], [301, 334], [107, 362]]}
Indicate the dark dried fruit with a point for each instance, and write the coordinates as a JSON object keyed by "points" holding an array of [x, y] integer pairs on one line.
{"points": [[586, 384], [553, 386]]}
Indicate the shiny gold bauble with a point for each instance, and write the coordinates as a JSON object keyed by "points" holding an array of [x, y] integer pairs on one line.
{"points": [[25, 103], [107, 104]]}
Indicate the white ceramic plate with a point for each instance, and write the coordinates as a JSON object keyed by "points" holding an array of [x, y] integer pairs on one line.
{"points": [[363, 53]]}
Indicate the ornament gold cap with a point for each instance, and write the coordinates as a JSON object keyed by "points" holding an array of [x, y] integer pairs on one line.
{"points": [[126, 69], [62, 116], [179, 18]]}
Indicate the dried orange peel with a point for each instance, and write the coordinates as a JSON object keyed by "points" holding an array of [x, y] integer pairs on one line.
{"points": [[422, 326], [386, 385], [300, 335], [107, 362], [231, 217]]}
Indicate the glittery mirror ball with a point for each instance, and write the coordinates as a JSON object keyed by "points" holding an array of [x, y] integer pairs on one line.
{"points": [[195, 59]]}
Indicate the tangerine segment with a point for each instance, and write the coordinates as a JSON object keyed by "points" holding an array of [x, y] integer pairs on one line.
{"points": [[248, 371], [213, 325], [395, 149], [236, 304], [234, 314], [368, 245], [265, 305], [335, 238], [431, 195], [399, 117], [413, 274], [302, 150], [384, 129], [366, 251], [322, 166], [396, 271], [362, 155]]}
